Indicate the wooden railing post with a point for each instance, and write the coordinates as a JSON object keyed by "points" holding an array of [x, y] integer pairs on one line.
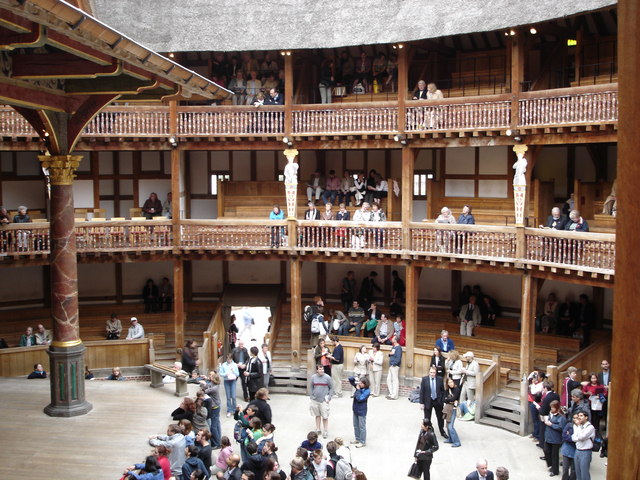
{"points": [[408, 163], [403, 86], [517, 74], [296, 312], [288, 93]]}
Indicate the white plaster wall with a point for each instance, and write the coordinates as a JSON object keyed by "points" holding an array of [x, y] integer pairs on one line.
{"points": [[21, 283], [493, 161], [458, 188], [28, 163], [106, 187], [435, 284], [506, 289], [135, 275], [83, 193], [419, 210], [355, 160], [254, 272], [551, 166], [585, 170], [109, 207], [377, 162], [333, 161], [207, 276], [150, 161], [460, 161], [264, 165], [204, 209], [220, 160], [199, 173], [241, 166], [27, 192], [85, 163], [125, 163], [492, 188], [96, 279], [424, 160], [105, 163], [307, 164]]}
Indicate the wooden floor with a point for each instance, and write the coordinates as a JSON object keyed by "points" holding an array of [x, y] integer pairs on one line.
{"points": [[114, 434]]}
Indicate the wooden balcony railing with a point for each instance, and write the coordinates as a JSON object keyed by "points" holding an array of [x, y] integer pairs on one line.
{"points": [[345, 118], [582, 252], [593, 252], [313, 235], [470, 113], [230, 234], [465, 241], [586, 105], [239, 120], [569, 106]]}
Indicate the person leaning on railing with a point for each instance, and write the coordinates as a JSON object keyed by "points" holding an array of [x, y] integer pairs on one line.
{"points": [[576, 223]]}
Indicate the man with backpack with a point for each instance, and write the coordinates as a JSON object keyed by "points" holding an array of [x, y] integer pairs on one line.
{"points": [[338, 468]]}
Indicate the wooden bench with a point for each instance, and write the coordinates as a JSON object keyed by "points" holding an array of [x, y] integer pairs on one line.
{"points": [[158, 371]]}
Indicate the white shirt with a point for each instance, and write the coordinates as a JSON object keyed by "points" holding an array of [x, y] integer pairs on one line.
{"points": [[135, 331], [263, 358], [583, 436]]}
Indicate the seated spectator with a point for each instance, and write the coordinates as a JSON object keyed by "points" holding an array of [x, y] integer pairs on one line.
{"points": [[314, 186], [166, 206], [556, 220], [421, 92], [355, 317], [4, 217], [446, 216], [38, 372], [469, 317], [185, 411], [400, 331], [22, 216], [576, 223], [166, 295], [384, 331], [360, 185], [489, 311], [254, 85], [193, 463], [87, 373], [328, 212], [28, 339], [332, 188], [175, 442], [238, 86], [274, 97], [338, 321], [152, 206], [343, 214], [381, 189], [327, 80], [43, 336], [362, 74], [549, 318], [259, 100], [149, 470], [116, 374], [312, 213], [135, 330], [433, 93], [113, 327], [610, 205], [466, 218], [150, 297]]}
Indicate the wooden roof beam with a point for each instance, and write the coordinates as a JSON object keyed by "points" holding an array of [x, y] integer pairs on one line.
{"points": [[16, 92], [60, 65]]}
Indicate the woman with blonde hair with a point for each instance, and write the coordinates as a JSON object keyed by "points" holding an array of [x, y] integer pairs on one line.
{"points": [[454, 366]]}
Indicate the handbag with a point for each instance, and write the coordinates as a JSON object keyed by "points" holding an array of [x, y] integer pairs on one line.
{"points": [[414, 471], [447, 410]]}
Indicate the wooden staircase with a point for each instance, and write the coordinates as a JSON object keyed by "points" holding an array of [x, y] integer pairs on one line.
{"points": [[286, 379], [503, 410]]}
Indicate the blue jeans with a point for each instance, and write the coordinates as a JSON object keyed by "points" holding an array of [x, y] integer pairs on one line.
{"points": [[582, 463], [215, 427], [360, 428], [453, 435], [535, 417], [329, 196], [230, 391]]}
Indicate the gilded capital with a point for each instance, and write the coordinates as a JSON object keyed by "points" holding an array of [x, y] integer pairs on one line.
{"points": [[61, 168], [520, 149], [291, 153]]}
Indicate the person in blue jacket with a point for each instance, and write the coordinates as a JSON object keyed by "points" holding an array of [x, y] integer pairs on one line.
{"points": [[149, 470], [360, 397], [555, 423]]}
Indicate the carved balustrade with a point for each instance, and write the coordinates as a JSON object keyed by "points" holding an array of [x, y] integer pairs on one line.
{"points": [[127, 121], [592, 252], [464, 241], [232, 234], [223, 121], [341, 119], [571, 106], [376, 236], [588, 252], [12, 124], [469, 113]]}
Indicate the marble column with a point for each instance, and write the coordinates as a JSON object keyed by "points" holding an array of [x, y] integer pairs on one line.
{"points": [[66, 352]]}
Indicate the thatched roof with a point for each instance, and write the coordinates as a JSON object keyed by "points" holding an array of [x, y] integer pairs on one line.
{"points": [[232, 25]]}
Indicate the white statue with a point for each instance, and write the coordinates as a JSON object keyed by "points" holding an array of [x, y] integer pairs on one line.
{"points": [[520, 167], [291, 169]]}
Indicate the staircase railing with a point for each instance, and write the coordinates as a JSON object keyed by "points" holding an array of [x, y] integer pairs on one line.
{"points": [[586, 361], [487, 386]]}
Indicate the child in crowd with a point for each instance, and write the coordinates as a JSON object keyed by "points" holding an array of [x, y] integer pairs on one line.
{"points": [[311, 443]]}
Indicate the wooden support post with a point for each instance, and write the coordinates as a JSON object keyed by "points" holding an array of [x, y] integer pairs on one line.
{"points": [[517, 74], [178, 301], [296, 312], [527, 342], [408, 164], [624, 401], [403, 86], [411, 317], [176, 194], [288, 93]]}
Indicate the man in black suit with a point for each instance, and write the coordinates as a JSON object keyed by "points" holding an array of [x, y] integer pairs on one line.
{"points": [[556, 220], [274, 98], [432, 398], [253, 373], [482, 471]]}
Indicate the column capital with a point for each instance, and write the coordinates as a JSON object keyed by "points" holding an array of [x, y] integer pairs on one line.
{"points": [[61, 168]]}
